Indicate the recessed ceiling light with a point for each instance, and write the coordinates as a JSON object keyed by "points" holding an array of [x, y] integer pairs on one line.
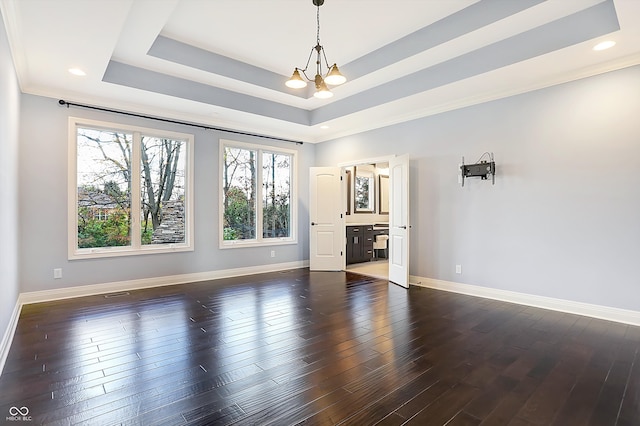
{"points": [[324, 126], [604, 45], [77, 71]]}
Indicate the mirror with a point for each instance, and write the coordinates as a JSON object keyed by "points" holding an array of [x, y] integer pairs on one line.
{"points": [[364, 189], [383, 191]]}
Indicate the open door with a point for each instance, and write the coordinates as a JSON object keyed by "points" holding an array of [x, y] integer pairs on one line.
{"points": [[326, 213], [399, 220]]}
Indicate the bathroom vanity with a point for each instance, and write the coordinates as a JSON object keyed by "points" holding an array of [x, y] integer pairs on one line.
{"points": [[361, 239]]}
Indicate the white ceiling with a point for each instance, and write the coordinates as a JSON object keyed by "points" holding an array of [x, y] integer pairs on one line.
{"points": [[224, 62]]}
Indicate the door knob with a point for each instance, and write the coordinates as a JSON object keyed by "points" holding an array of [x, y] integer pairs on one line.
{"points": [[313, 224]]}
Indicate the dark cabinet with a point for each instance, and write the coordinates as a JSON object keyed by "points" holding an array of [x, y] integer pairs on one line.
{"points": [[354, 244], [359, 243], [367, 248]]}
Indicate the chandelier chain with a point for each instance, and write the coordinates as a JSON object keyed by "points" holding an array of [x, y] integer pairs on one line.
{"points": [[318, 26]]}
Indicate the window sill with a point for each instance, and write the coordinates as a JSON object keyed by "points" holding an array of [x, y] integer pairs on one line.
{"points": [[104, 252], [234, 244]]}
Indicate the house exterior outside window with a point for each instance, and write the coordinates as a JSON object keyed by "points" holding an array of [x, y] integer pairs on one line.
{"points": [[130, 190]]}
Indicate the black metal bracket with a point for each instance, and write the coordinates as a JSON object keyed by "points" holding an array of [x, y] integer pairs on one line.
{"points": [[482, 169]]}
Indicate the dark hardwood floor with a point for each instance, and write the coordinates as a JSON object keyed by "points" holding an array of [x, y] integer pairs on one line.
{"points": [[316, 349]]}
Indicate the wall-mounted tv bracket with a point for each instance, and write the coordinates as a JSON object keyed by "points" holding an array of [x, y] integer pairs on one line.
{"points": [[481, 168]]}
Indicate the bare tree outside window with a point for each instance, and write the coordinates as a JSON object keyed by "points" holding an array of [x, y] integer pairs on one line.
{"points": [[104, 179], [363, 191], [104, 188], [239, 194], [256, 193], [276, 195], [162, 190]]}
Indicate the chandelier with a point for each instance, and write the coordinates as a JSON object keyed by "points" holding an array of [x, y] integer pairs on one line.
{"points": [[333, 76]]}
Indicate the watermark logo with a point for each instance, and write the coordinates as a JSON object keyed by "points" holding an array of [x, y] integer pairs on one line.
{"points": [[18, 414]]}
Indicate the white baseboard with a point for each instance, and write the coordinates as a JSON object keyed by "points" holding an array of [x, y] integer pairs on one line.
{"points": [[8, 334], [568, 306], [89, 290]]}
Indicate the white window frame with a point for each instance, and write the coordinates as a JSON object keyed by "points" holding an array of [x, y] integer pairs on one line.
{"points": [[136, 247], [260, 241]]}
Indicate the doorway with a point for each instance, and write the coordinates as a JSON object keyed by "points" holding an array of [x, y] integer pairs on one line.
{"points": [[367, 218], [358, 189]]}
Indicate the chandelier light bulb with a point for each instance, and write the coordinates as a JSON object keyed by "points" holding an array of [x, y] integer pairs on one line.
{"points": [[322, 91], [334, 77], [296, 81]]}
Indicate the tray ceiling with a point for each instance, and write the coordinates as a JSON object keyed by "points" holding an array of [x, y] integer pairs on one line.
{"points": [[224, 62]]}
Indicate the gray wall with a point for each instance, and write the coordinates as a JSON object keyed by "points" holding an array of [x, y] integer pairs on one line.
{"points": [[9, 125], [563, 219], [43, 206]]}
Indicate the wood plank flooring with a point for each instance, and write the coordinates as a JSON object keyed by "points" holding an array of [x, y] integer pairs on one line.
{"points": [[309, 348]]}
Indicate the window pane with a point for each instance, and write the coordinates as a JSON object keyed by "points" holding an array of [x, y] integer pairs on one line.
{"points": [[162, 190], [239, 194], [103, 188], [364, 193], [276, 195]]}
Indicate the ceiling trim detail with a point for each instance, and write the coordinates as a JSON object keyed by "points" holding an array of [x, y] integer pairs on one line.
{"points": [[139, 78], [581, 26], [578, 27], [204, 60], [469, 19]]}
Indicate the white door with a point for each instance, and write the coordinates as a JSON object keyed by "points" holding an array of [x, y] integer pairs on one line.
{"points": [[399, 220], [326, 209]]}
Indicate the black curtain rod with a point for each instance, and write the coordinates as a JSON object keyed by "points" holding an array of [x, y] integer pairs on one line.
{"points": [[184, 123]]}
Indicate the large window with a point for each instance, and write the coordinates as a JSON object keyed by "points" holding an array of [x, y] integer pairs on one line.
{"points": [[257, 198], [129, 190]]}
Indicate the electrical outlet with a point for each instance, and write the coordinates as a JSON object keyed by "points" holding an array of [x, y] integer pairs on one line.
{"points": [[273, 253], [57, 273], [458, 269]]}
